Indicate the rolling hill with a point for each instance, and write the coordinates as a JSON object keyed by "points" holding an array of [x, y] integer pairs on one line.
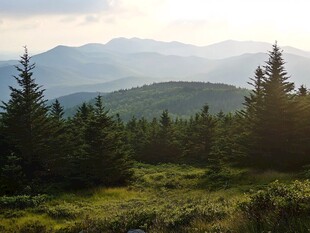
{"points": [[125, 63], [181, 99]]}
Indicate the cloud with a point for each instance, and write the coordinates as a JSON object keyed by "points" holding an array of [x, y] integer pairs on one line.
{"points": [[18, 8], [91, 19]]}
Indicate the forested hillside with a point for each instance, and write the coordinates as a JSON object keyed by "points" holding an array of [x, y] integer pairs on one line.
{"points": [[182, 99]]}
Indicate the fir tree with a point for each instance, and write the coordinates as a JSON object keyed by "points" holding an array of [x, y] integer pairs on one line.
{"points": [[167, 148], [57, 111], [59, 143], [253, 118], [278, 112], [302, 91], [108, 157], [25, 120], [270, 114], [200, 136]]}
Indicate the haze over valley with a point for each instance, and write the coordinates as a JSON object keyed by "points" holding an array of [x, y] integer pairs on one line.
{"points": [[125, 63]]}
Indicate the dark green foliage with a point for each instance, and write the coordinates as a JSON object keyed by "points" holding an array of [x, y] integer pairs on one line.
{"points": [[200, 136], [57, 111], [278, 111], [60, 145], [33, 227], [155, 216], [182, 99], [164, 143], [274, 136], [280, 207], [302, 91], [154, 141], [12, 177], [197, 140], [40, 150], [137, 134], [25, 123], [108, 159], [253, 116], [22, 202], [99, 154], [306, 172], [63, 211]]}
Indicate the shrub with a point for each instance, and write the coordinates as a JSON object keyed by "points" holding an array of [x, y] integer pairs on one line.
{"points": [[62, 211], [306, 172], [13, 214], [279, 206], [34, 227], [23, 201]]}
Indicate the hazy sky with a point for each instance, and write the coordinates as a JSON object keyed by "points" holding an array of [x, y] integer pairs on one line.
{"points": [[43, 24]]}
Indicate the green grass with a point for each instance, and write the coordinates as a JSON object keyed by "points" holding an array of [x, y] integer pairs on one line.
{"points": [[161, 198]]}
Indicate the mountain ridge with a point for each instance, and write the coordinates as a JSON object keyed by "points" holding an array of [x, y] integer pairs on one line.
{"points": [[66, 70]]}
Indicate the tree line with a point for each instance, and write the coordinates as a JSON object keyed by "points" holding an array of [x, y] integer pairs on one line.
{"points": [[41, 150]]}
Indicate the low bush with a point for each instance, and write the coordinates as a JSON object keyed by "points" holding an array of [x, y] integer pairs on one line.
{"points": [[169, 216], [279, 207], [33, 227], [61, 211], [22, 201]]}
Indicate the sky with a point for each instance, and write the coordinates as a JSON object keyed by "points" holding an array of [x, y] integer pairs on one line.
{"points": [[44, 24]]}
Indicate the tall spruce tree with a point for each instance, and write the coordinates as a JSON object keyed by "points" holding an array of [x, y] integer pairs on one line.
{"points": [[108, 157], [252, 114], [270, 114], [76, 171], [278, 112], [200, 136], [57, 111], [59, 142], [302, 136], [167, 148], [25, 121]]}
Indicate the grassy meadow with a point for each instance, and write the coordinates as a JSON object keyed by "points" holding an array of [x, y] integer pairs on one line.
{"points": [[168, 198]]}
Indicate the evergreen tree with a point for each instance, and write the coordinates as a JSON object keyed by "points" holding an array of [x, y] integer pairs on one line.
{"points": [[138, 137], [252, 114], [302, 91], [76, 171], [108, 157], [200, 136], [12, 176], [167, 147], [253, 103], [57, 111], [302, 126], [278, 112], [25, 121], [270, 115], [59, 143]]}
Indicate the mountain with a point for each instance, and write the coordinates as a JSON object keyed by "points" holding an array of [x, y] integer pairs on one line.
{"points": [[72, 100], [124, 63], [225, 49], [122, 83], [182, 99], [220, 50]]}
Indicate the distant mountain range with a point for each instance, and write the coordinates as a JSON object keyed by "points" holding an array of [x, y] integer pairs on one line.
{"points": [[124, 63], [181, 99]]}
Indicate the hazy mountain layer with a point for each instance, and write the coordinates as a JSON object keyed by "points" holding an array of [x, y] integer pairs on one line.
{"points": [[125, 63]]}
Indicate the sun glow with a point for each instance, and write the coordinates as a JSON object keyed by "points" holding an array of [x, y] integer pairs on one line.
{"points": [[196, 21]]}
